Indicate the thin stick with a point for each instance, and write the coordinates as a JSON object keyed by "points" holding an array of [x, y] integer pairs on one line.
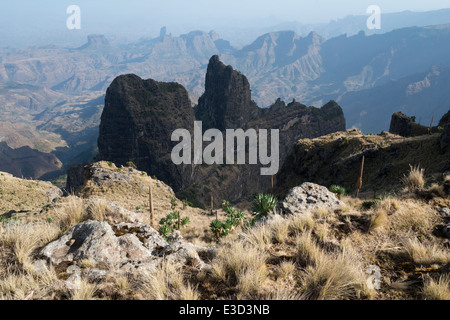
{"points": [[359, 183], [152, 214], [271, 178]]}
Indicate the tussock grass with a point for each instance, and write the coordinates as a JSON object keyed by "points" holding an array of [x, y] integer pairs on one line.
{"points": [[259, 236], [28, 286], [23, 239], [437, 289], [301, 223], [412, 216], [280, 230], [285, 269], [166, 283], [379, 219], [241, 265], [415, 179], [426, 254], [321, 213], [331, 277], [86, 291], [284, 294], [97, 209], [70, 213]]}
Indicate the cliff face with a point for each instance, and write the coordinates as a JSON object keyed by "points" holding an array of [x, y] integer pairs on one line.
{"points": [[227, 102], [140, 116], [137, 123], [336, 159]]}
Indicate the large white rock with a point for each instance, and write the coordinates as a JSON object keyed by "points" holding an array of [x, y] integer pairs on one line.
{"points": [[307, 197]]}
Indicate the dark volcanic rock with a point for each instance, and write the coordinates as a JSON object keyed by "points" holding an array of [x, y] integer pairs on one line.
{"points": [[445, 139], [400, 124], [137, 123], [226, 103], [445, 119], [139, 117], [405, 126]]}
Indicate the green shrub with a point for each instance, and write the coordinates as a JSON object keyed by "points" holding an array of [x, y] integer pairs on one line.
{"points": [[369, 204], [130, 164], [263, 204], [170, 223], [338, 190]]}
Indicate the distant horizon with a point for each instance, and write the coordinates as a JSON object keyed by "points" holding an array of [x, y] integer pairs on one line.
{"points": [[23, 23]]}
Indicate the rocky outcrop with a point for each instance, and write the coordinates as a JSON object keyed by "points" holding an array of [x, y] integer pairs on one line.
{"points": [[96, 41], [137, 123], [129, 248], [400, 124], [307, 197], [140, 116], [335, 159], [405, 126], [445, 139], [226, 103]]}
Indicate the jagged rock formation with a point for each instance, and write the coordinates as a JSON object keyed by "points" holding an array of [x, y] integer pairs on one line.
{"points": [[140, 116], [405, 126], [226, 103], [336, 159], [400, 124], [137, 123]]}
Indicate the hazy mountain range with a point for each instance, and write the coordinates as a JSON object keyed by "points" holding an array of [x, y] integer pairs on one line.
{"points": [[51, 97]]}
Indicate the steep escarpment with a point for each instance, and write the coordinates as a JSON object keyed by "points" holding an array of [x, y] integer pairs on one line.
{"points": [[227, 102], [140, 116], [336, 159], [137, 123]]}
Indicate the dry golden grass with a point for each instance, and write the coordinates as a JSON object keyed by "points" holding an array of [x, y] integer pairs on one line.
{"points": [[426, 254], [285, 269], [280, 230], [379, 219], [437, 290], [69, 213], [414, 216], [85, 291], [23, 239], [301, 223], [259, 236], [331, 279], [317, 255], [165, 283], [241, 265], [415, 179], [28, 286], [23, 195]]}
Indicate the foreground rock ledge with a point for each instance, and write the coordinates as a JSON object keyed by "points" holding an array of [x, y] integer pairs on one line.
{"points": [[128, 248]]}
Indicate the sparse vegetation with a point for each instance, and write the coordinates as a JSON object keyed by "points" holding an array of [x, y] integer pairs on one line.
{"points": [[415, 180], [320, 254]]}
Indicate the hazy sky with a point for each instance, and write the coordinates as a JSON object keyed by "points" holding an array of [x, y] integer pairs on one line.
{"points": [[47, 17]]}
